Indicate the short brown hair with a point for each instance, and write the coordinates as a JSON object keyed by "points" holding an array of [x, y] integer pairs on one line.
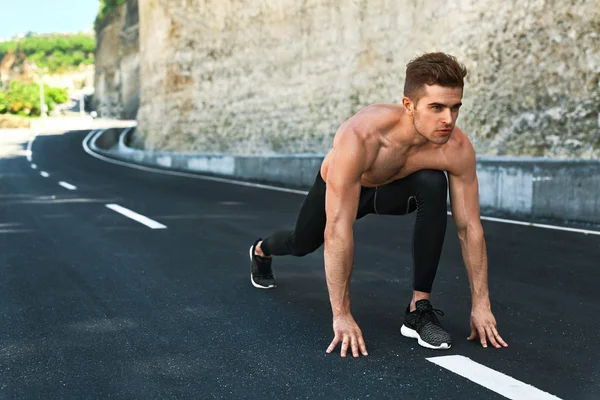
{"points": [[432, 69]]}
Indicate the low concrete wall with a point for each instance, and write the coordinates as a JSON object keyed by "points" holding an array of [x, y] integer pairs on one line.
{"points": [[108, 139], [522, 187], [563, 190]]}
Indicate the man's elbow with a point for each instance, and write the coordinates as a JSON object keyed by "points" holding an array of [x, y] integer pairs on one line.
{"points": [[470, 232], [336, 231]]}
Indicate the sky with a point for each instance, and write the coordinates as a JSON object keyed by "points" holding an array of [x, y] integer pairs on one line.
{"points": [[46, 16]]}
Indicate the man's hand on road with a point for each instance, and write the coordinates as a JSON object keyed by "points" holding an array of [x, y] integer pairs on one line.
{"points": [[483, 324], [347, 333]]}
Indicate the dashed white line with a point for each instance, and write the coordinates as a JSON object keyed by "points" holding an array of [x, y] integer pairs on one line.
{"points": [[67, 185], [44, 174], [137, 217], [33, 166], [491, 379], [28, 152]]}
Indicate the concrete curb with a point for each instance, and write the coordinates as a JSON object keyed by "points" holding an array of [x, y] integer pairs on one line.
{"points": [[291, 171], [523, 187]]}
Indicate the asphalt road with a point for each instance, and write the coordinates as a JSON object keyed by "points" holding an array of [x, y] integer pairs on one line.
{"points": [[94, 304]]}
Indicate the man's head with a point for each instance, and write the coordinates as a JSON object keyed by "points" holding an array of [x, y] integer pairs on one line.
{"points": [[432, 94]]}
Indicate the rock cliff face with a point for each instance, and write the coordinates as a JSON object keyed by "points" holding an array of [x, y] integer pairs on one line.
{"points": [[281, 75], [117, 79]]}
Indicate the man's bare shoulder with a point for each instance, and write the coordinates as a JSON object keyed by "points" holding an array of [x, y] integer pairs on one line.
{"points": [[350, 139], [360, 135], [376, 118], [460, 140], [460, 153]]}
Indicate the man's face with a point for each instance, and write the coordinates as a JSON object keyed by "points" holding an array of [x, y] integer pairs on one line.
{"points": [[435, 114]]}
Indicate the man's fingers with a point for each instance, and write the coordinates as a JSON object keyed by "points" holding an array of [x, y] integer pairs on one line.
{"points": [[363, 347], [473, 334], [344, 346], [354, 346], [482, 337], [333, 344], [491, 337], [498, 337]]}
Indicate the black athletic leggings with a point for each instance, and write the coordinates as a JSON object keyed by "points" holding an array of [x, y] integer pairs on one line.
{"points": [[424, 191]]}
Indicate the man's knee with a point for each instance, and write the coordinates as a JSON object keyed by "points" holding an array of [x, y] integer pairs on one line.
{"points": [[305, 250], [301, 249], [432, 181], [300, 252]]}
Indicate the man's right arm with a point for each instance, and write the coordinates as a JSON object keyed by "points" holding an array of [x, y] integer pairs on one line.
{"points": [[341, 204]]}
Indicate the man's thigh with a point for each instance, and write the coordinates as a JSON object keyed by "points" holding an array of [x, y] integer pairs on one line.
{"points": [[396, 198]]}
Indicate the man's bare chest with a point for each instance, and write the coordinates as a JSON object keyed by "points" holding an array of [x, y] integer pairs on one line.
{"points": [[389, 167]]}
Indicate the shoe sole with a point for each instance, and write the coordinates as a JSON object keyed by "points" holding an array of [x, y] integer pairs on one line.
{"points": [[411, 333], [256, 285]]}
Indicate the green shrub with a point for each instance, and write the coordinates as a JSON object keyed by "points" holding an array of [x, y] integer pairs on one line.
{"points": [[24, 98], [56, 95], [4, 104], [57, 53]]}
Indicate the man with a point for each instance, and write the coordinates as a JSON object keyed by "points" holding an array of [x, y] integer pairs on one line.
{"points": [[389, 159]]}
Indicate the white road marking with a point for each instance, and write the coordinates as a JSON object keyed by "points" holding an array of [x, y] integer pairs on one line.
{"points": [[559, 228], [44, 174], [28, 152], [29, 144], [135, 216], [33, 166], [67, 185], [281, 189], [184, 174], [491, 379]]}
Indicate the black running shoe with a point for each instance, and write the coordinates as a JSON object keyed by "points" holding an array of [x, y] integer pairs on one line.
{"points": [[262, 274], [423, 325]]}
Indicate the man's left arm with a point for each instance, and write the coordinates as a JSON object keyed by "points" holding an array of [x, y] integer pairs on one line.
{"points": [[464, 199]]}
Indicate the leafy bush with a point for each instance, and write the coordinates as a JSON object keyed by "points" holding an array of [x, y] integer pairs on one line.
{"points": [[24, 98], [4, 104], [56, 95], [56, 52]]}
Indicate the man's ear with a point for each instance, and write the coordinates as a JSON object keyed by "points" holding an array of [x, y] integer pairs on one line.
{"points": [[409, 106]]}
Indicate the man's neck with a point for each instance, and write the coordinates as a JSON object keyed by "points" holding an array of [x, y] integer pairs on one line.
{"points": [[405, 135]]}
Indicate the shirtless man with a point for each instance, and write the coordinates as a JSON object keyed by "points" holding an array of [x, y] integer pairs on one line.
{"points": [[389, 159]]}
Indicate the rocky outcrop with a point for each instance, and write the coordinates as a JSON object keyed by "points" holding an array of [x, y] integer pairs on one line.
{"points": [[117, 79], [280, 76]]}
